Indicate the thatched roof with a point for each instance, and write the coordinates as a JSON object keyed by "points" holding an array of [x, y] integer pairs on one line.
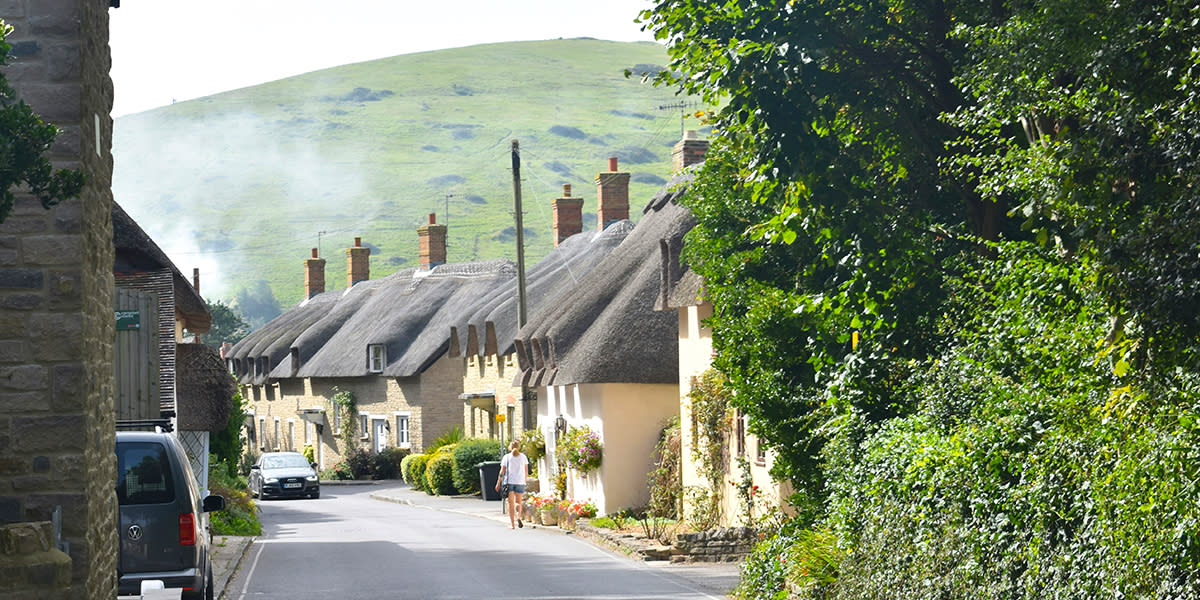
{"points": [[492, 327], [203, 388], [605, 330], [135, 251], [408, 312]]}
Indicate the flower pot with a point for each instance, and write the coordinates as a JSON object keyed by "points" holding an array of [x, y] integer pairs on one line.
{"points": [[549, 516]]}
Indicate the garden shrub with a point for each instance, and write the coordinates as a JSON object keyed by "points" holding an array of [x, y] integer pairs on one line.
{"points": [[469, 453], [439, 475], [406, 468], [386, 464], [666, 479], [453, 436], [417, 470], [361, 464], [240, 516]]}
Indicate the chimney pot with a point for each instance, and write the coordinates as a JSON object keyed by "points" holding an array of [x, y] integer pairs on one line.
{"points": [[314, 253], [431, 244], [196, 279], [566, 190], [314, 275], [358, 263], [612, 191]]}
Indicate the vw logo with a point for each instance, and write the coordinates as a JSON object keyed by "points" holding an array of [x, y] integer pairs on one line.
{"points": [[135, 532]]}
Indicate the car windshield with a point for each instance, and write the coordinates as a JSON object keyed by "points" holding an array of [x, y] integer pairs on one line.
{"points": [[284, 462]]}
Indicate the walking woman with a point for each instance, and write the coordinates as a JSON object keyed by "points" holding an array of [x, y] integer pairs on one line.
{"points": [[512, 473]]}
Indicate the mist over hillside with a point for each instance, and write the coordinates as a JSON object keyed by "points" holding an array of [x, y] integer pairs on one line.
{"points": [[242, 184]]}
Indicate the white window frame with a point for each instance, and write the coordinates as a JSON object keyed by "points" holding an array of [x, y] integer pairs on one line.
{"points": [[364, 425], [336, 412], [262, 433], [291, 439], [376, 357], [308, 430], [277, 434], [403, 423]]}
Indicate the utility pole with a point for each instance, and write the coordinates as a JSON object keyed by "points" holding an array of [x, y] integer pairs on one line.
{"points": [[527, 416], [319, 234]]}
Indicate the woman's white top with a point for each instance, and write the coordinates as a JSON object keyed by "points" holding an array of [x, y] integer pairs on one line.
{"points": [[514, 467]]}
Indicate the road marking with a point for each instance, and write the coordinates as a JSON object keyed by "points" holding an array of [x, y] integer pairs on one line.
{"points": [[250, 573]]}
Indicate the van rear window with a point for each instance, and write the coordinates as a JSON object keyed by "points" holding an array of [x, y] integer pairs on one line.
{"points": [[143, 474]]}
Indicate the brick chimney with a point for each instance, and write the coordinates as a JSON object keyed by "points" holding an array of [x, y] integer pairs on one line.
{"points": [[314, 275], [689, 151], [568, 215], [358, 263], [612, 189], [431, 240]]}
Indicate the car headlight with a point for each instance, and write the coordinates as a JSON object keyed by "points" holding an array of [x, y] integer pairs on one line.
{"points": [[311, 478], [271, 480]]}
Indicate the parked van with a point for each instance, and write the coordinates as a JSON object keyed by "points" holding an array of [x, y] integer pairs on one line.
{"points": [[163, 526]]}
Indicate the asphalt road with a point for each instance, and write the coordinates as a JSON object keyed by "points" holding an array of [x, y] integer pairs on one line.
{"points": [[346, 545]]}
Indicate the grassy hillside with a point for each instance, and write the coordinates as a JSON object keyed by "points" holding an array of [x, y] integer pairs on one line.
{"points": [[243, 183]]}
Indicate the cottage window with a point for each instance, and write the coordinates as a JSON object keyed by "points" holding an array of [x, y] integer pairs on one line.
{"points": [[376, 357], [308, 427], [262, 428], [251, 432], [402, 430], [364, 429], [336, 411], [760, 451], [291, 438], [277, 436]]}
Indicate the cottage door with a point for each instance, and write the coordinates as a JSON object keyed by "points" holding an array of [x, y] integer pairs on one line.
{"points": [[379, 426]]}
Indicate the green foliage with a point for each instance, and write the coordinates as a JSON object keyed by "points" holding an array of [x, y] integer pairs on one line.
{"points": [[256, 304], [439, 474], [227, 325], [340, 471], [227, 443], [240, 516], [309, 453], [406, 468], [711, 411], [581, 449], [387, 464], [951, 249], [533, 444], [361, 464], [417, 471], [453, 436], [24, 141], [469, 453], [347, 406], [665, 480]]}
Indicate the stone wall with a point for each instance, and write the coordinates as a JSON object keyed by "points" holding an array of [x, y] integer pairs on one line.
{"points": [[56, 315]]}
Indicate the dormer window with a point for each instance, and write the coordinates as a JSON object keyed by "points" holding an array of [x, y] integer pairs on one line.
{"points": [[376, 357]]}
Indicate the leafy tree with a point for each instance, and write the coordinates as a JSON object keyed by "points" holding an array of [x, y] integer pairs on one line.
{"points": [[227, 324], [24, 139], [257, 304]]}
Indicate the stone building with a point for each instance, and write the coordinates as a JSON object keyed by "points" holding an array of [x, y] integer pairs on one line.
{"points": [[56, 320]]}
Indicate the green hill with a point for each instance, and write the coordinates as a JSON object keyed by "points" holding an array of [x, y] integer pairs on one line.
{"points": [[244, 183]]}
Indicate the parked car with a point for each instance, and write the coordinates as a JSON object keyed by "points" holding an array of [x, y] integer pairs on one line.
{"points": [[284, 474], [163, 527]]}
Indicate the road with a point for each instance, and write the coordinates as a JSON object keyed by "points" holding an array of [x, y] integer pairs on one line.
{"points": [[346, 545]]}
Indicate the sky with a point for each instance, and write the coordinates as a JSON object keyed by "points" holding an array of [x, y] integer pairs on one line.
{"points": [[174, 50]]}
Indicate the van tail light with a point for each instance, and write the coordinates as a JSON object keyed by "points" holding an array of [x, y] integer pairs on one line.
{"points": [[187, 529]]}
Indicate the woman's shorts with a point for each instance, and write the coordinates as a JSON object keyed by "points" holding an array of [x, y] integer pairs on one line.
{"points": [[516, 489]]}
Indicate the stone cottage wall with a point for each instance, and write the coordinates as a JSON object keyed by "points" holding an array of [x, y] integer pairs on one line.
{"points": [[56, 314]]}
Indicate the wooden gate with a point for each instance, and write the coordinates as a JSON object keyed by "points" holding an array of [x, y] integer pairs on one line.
{"points": [[135, 355]]}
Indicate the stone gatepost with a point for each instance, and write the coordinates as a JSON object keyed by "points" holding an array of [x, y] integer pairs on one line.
{"points": [[56, 318]]}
